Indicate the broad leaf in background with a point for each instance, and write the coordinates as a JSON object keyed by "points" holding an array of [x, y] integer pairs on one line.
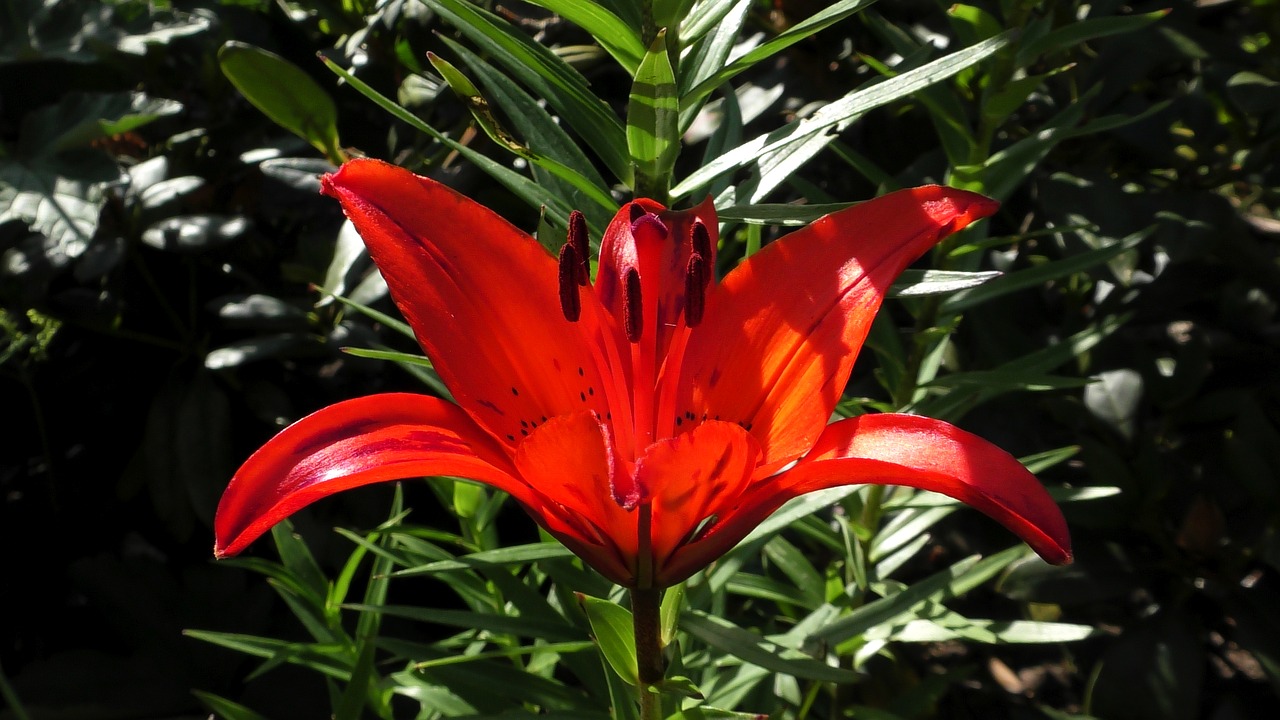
{"points": [[55, 180], [285, 94]]}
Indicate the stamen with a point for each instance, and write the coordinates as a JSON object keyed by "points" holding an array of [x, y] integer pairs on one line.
{"points": [[700, 241], [570, 303], [695, 290], [632, 309], [578, 239]]}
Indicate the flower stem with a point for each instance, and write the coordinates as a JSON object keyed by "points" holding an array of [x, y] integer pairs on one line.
{"points": [[645, 609]]}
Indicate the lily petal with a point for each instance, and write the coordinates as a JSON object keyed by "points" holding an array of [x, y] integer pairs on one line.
{"points": [[691, 477], [569, 461], [482, 297], [920, 452], [781, 332], [357, 442]]}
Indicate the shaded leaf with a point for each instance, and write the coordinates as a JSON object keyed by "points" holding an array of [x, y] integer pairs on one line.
{"points": [[195, 233]]}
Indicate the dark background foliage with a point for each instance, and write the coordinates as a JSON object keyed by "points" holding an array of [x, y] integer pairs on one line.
{"points": [[163, 323]]}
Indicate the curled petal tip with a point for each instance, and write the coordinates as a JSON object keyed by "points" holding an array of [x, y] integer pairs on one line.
{"points": [[1061, 555]]}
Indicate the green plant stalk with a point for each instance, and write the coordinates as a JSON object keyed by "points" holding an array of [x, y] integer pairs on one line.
{"points": [[646, 621], [646, 624]]}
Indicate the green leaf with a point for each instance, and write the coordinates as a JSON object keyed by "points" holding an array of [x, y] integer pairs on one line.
{"points": [[779, 214], [704, 712], [617, 37], [363, 689], [750, 647], [953, 404], [59, 197], [89, 32], [756, 586], [521, 186], [1115, 399], [945, 108], [612, 627], [1003, 101], [513, 555], [669, 13], [545, 136], [1010, 380], [547, 76], [480, 110], [284, 93], [790, 561], [54, 182], [195, 233], [1040, 274], [952, 582], [919, 283], [842, 111], [905, 528], [319, 658], [80, 119], [300, 563], [224, 708], [1002, 173], [822, 19], [481, 622], [669, 613], [712, 49], [1059, 494], [991, 632], [653, 136], [972, 24], [1077, 33]]}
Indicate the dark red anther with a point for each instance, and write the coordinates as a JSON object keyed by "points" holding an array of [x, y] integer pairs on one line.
{"points": [[569, 268], [578, 239], [700, 241], [632, 307], [695, 289]]}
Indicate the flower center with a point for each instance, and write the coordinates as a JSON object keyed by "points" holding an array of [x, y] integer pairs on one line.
{"points": [[657, 269]]}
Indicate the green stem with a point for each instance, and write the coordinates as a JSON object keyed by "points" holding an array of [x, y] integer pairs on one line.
{"points": [[646, 606]]}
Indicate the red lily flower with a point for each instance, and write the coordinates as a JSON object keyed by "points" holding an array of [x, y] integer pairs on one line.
{"points": [[648, 421]]}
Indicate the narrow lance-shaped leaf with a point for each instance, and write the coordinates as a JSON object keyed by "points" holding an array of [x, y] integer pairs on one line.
{"points": [[544, 73], [794, 34], [843, 110], [540, 129], [483, 114], [614, 35], [523, 187], [1076, 33]]}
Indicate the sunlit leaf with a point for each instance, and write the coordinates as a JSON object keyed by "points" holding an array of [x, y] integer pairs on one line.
{"points": [[611, 625], [284, 93]]}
